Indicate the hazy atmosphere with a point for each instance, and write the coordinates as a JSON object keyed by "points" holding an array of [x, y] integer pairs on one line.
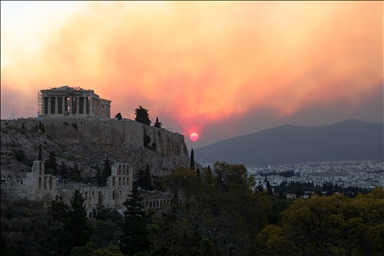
{"points": [[220, 69]]}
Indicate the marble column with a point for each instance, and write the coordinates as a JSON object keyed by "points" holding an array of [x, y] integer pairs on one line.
{"points": [[49, 105], [56, 105], [85, 105], [71, 105], [90, 106], [77, 105], [64, 105]]}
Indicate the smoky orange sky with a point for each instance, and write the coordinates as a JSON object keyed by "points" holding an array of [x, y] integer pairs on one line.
{"points": [[221, 69]]}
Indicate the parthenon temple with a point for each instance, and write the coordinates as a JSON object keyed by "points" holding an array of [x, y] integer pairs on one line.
{"points": [[72, 102]]}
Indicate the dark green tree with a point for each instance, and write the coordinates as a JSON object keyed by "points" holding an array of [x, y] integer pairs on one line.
{"points": [[99, 206], [142, 116], [118, 116], [212, 218], [135, 232], [106, 171], [39, 154], [76, 173], [63, 171], [192, 163], [157, 123], [144, 180], [76, 228], [51, 164], [74, 231]]}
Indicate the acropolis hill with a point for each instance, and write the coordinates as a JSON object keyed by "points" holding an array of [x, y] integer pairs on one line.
{"points": [[87, 139]]}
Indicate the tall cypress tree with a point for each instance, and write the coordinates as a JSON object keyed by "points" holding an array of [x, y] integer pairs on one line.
{"points": [[192, 164], [157, 123], [106, 172], [135, 232], [39, 154], [51, 163]]}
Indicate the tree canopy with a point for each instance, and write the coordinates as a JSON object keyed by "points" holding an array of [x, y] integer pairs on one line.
{"points": [[157, 123], [221, 214], [135, 232], [328, 225], [142, 116]]}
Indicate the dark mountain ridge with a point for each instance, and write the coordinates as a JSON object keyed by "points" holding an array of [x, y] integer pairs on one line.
{"points": [[347, 140]]}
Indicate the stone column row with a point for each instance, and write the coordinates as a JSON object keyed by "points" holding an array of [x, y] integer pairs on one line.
{"points": [[64, 105]]}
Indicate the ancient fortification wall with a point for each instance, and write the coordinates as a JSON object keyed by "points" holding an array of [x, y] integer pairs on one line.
{"points": [[104, 131]]}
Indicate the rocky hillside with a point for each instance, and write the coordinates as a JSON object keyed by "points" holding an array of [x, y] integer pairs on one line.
{"points": [[88, 142]]}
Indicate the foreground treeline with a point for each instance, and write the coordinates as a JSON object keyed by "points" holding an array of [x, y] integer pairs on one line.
{"points": [[220, 215]]}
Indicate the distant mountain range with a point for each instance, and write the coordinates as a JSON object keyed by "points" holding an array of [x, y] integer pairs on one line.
{"points": [[288, 144]]}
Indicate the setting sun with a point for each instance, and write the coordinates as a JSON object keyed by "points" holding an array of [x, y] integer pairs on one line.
{"points": [[194, 136]]}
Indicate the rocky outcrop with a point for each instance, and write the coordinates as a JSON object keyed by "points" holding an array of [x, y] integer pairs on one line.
{"points": [[88, 142]]}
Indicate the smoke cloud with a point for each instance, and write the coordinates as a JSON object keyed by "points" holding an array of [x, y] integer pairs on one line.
{"points": [[218, 68]]}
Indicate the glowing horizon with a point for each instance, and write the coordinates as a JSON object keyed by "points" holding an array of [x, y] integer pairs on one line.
{"points": [[197, 65]]}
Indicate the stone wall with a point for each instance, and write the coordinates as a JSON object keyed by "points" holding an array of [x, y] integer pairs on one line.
{"points": [[104, 131], [44, 187]]}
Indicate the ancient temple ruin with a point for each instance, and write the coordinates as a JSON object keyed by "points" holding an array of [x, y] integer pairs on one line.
{"points": [[67, 101], [37, 185]]}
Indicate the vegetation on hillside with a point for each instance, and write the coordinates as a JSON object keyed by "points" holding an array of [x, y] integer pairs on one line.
{"points": [[214, 212]]}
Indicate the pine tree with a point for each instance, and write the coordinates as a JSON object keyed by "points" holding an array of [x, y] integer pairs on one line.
{"points": [[75, 232], [135, 232], [142, 116]]}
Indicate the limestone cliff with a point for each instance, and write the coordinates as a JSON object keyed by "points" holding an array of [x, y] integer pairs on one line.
{"points": [[89, 141]]}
